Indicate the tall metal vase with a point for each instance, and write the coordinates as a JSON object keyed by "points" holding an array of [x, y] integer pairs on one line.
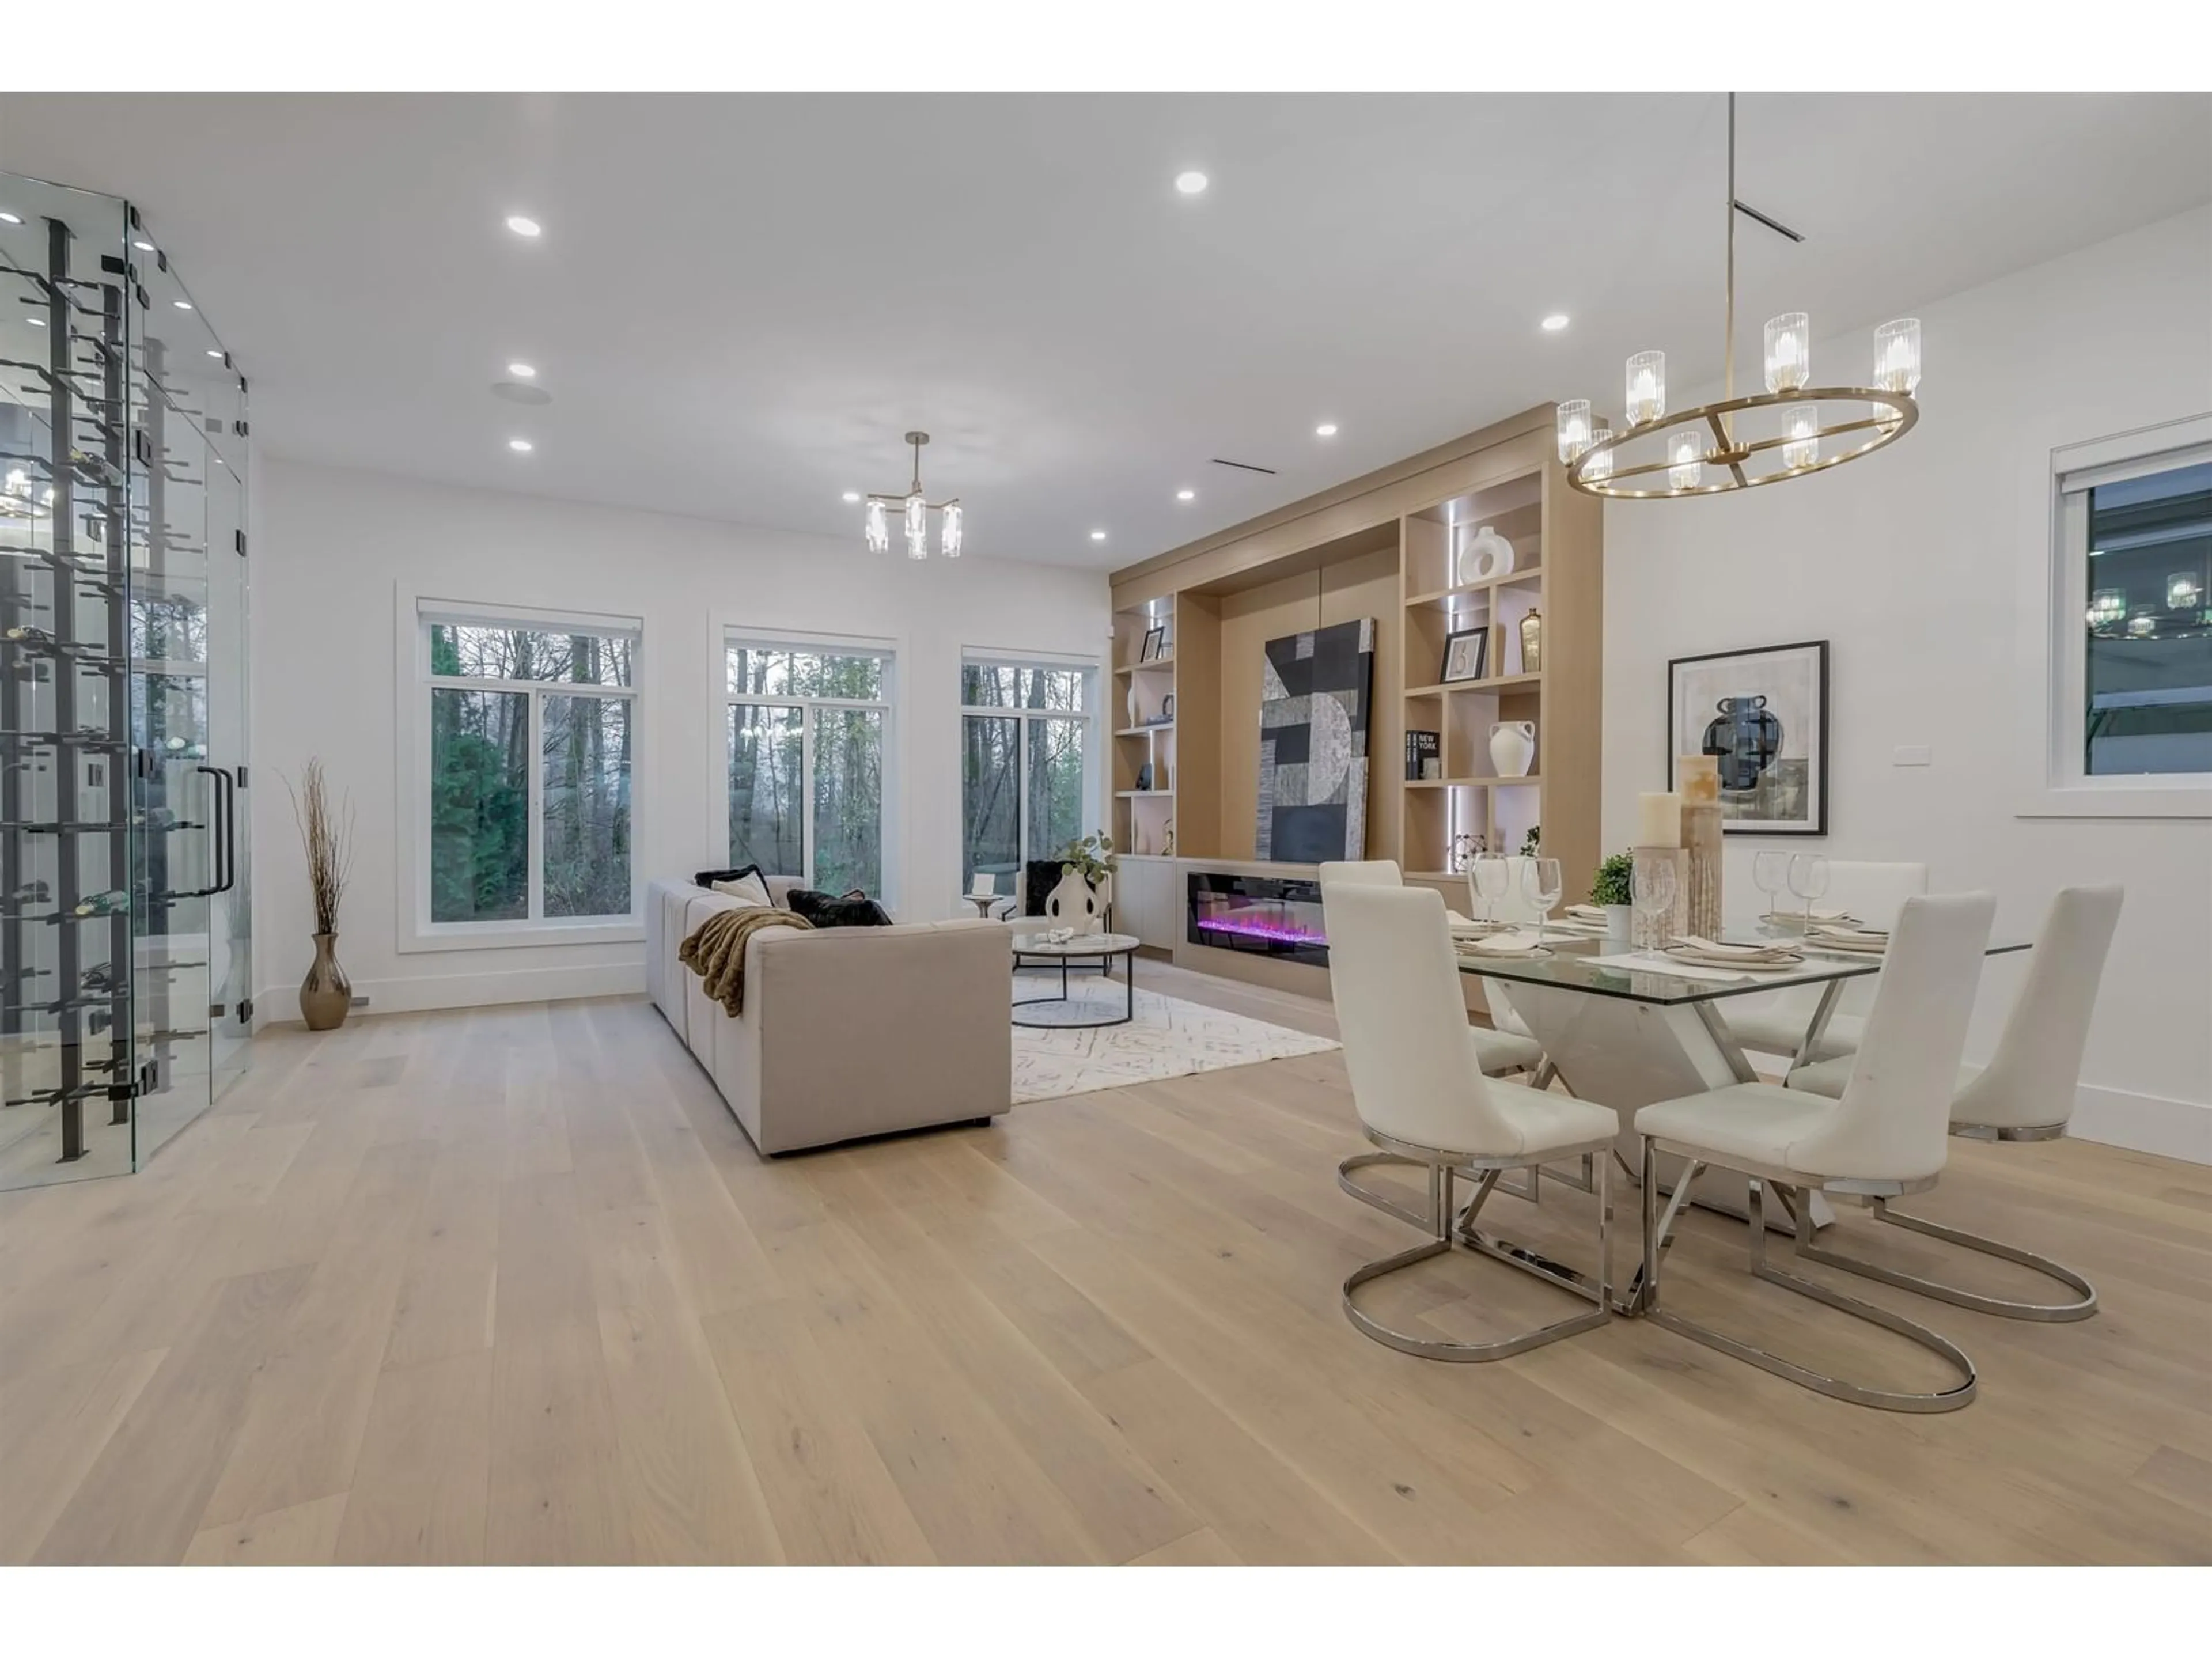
{"points": [[326, 995]]}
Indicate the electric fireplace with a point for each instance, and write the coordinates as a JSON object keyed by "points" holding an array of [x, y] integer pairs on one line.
{"points": [[1265, 915]]}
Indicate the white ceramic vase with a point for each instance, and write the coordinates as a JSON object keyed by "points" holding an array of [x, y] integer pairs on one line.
{"points": [[1619, 923], [1074, 904], [1133, 718], [1512, 748], [1481, 556]]}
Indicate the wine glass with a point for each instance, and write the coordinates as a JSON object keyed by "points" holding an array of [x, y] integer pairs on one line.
{"points": [[1491, 880], [1808, 879], [1652, 887], [1544, 882], [1770, 873]]}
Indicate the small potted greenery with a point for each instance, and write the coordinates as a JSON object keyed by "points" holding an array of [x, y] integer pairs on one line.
{"points": [[1614, 891]]}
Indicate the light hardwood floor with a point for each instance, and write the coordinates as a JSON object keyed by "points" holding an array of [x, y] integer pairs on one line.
{"points": [[509, 1284]]}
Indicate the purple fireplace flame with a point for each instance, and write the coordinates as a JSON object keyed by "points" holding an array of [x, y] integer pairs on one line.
{"points": [[1250, 925]]}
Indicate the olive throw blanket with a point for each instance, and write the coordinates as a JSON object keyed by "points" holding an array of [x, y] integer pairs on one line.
{"points": [[716, 951]]}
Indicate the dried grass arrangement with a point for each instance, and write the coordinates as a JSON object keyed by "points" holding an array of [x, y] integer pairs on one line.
{"points": [[326, 833]]}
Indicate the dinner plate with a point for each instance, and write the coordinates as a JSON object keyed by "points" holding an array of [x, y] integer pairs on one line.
{"points": [[1530, 955]]}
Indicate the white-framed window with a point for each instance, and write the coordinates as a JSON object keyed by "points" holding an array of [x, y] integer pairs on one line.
{"points": [[2125, 719], [808, 739], [521, 819], [1027, 746]]}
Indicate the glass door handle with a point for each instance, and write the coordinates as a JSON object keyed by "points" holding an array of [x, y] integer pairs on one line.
{"points": [[226, 828], [224, 825]]}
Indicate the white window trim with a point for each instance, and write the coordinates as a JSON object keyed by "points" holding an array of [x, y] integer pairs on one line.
{"points": [[413, 613], [1095, 746], [2053, 652], [725, 630]]}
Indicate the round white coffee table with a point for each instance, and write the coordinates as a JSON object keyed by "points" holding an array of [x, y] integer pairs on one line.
{"points": [[1082, 948]]}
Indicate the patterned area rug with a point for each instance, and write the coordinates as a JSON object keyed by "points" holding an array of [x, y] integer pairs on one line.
{"points": [[1169, 1038]]}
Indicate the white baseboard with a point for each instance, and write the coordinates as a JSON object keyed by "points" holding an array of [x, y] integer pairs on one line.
{"points": [[280, 1003], [2144, 1123]]}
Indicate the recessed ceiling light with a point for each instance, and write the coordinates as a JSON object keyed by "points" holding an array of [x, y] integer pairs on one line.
{"points": [[522, 226], [1098, 534], [851, 494], [1186, 494], [1555, 322], [35, 322], [520, 446], [1192, 183], [522, 370], [143, 247], [182, 305], [212, 352], [1326, 430], [7, 218]]}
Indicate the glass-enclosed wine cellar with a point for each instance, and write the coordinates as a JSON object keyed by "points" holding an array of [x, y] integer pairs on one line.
{"points": [[125, 986]]}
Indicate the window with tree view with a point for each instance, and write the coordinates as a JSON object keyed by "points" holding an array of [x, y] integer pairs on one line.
{"points": [[807, 729], [532, 732], [1025, 744]]}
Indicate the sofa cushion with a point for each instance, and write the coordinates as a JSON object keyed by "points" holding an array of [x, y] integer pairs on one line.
{"points": [[748, 888], [855, 909]]}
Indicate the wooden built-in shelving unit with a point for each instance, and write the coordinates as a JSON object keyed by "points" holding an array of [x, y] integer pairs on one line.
{"points": [[1380, 547]]}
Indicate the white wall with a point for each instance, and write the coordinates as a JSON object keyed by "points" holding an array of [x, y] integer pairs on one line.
{"points": [[1911, 564], [332, 548]]}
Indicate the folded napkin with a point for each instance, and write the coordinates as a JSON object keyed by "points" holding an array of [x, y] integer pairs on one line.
{"points": [[1848, 938], [1514, 942], [1748, 953], [1586, 913]]}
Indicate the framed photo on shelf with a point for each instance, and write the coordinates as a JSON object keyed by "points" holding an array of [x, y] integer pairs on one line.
{"points": [[1155, 645], [1763, 714], [1467, 655]]}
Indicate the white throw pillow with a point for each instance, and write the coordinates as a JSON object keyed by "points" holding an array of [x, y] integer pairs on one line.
{"points": [[751, 890]]}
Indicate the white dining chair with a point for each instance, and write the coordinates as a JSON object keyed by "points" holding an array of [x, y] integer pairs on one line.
{"points": [[1886, 1136], [1422, 1097], [2025, 1093], [1501, 1052], [1871, 893]]}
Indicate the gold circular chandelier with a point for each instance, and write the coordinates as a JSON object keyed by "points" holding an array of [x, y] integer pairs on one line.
{"points": [[1710, 450]]}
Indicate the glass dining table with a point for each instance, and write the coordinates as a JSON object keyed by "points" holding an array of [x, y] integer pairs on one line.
{"points": [[1623, 1027]]}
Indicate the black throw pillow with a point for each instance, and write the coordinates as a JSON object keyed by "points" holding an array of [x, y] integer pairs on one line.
{"points": [[855, 910], [708, 877]]}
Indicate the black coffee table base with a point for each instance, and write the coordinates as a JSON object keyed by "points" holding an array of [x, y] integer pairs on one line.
{"points": [[1129, 1008]]}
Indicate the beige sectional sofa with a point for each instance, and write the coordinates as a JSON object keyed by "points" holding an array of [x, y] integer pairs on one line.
{"points": [[846, 1032]]}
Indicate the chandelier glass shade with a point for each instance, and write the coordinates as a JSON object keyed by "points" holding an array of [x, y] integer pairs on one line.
{"points": [[1792, 429], [915, 508]]}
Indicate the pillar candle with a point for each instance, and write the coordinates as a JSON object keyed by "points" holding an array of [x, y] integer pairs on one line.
{"points": [[1699, 779], [1658, 820]]}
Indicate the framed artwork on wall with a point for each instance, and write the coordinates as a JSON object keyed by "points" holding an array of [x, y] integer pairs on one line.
{"points": [[1763, 714], [1467, 655]]}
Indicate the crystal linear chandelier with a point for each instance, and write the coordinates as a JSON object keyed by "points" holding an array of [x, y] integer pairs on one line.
{"points": [[915, 508], [1712, 448]]}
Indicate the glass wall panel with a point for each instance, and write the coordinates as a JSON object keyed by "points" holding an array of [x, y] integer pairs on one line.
{"points": [[990, 795], [848, 799], [121, 421], [479, 806], [586, 748], [2149, 667], [767, 787]]}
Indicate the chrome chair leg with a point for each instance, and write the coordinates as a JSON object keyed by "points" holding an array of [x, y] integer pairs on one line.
{"points": [[2048, 1312], [1426, 1220], [1449, 1226], [1949, 1400]]}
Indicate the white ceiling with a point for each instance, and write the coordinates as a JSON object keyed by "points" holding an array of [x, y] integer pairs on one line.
{"points": [[741, 301]]}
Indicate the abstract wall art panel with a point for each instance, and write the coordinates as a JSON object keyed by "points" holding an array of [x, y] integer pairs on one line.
{"points": [[1314, 694]]}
